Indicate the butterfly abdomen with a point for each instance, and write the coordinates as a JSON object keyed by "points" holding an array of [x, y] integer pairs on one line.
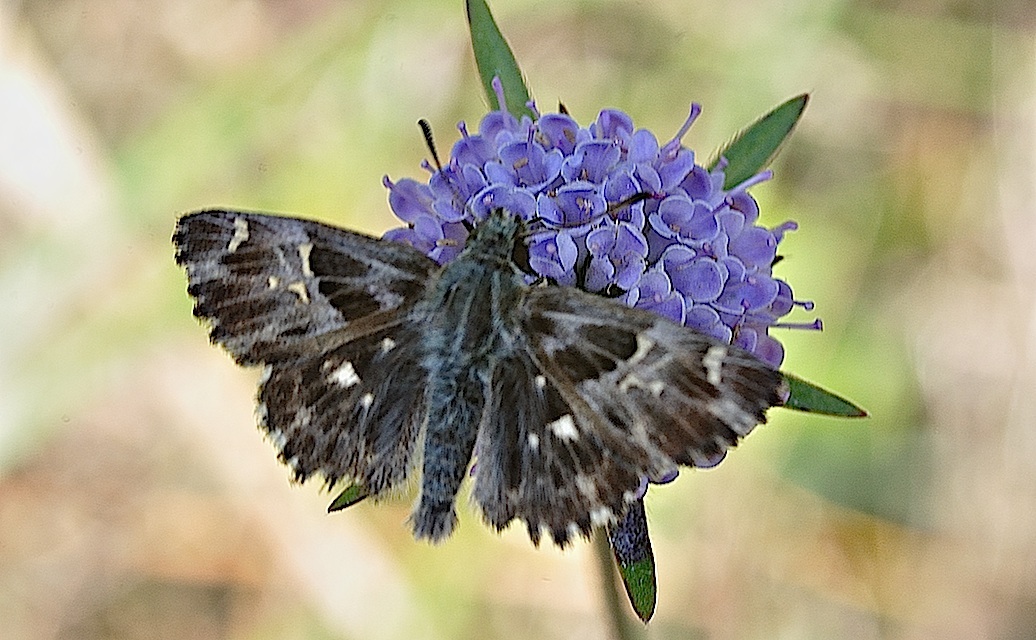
{"points": [[468, 327]]}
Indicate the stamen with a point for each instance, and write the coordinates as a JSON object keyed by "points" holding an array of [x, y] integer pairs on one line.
{"points": [[498, 89], [816, 325], [673, 145], [762, 176]]}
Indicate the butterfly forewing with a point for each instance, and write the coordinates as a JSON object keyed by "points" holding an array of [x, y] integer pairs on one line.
{"points": [[599, 397], [269, 285], [671, 394], [327, 312]]}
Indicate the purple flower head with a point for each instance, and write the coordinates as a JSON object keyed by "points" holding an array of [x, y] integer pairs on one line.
{"points": [[577, 205], [610, 210], [526, 164], [655, 293], [617, 254]]}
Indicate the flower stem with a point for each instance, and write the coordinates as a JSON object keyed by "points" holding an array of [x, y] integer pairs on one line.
{"points": [[618, 622]]}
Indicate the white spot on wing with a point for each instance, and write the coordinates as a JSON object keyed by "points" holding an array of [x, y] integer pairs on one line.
{"points": [[732, 415], [305, 249], [534, 441], [601, 516], [655, 387], [565, 427], [586, 486], [299, 289], [388, 344], [644, 345], [302, 419], [278, 439], [273, 282], [366, 400], [344, 376], [573, 530], [541, 382], [713, 361], [240, 234]]}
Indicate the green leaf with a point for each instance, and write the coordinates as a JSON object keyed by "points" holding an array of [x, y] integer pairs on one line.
{"points": [[754, 147], [351, 495], [494, 59], [806, 396]]}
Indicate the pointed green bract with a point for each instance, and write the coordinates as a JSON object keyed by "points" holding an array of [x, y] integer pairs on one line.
{"points": [[753, 148], [494, 59], [639, 580], [806, 396], [351, 495], [631, 550]]}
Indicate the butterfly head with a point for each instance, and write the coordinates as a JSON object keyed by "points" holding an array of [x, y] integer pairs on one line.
{"points": [[495, 237]]}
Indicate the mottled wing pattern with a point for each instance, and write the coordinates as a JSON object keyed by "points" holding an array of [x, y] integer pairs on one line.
{"points": [[539, 463], [270, 285], [352, 413], [609, 394], [327, 311]]}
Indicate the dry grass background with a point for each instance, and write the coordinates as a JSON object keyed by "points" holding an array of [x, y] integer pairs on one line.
{"points": [[138, 501]]}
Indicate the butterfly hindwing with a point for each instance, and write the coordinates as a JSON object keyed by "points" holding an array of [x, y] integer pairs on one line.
{"points": [[328, 312], [353, 412], [544, 462]]}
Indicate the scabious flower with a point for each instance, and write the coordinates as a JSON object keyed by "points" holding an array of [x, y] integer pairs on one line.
{"points": [[611, 211]]}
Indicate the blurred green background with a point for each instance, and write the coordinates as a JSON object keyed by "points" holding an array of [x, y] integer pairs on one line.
{"points": [[137, 499]]}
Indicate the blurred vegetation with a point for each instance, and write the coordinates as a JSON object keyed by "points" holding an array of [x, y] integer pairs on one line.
{"points": [[136, 499]]}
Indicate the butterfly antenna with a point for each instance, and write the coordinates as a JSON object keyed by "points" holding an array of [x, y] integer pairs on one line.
{"points": [[640, 196], [426, 131]]}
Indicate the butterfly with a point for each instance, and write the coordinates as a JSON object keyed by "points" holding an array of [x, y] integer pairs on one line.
{"points": [[377, 361]]}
